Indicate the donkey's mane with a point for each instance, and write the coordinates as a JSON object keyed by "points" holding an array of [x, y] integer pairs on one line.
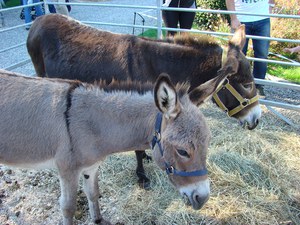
{"points": [[133, 86], [126, 86], [110, 87], [195, 41]]}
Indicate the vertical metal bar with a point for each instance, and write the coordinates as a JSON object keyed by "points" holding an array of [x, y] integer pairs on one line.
{"points": [[159, 19], [2, 19], [134, 17], [46, 8]]}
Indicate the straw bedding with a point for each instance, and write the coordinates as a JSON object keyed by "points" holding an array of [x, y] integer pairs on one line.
{"points": [[255, 179]]}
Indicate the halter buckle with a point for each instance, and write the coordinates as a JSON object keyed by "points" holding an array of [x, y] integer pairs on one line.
{"points": [[245, 102], [170, 170], [157, 135], [226, 81]]}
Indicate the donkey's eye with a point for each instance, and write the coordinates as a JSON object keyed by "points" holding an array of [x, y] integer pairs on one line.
{"points": [[183, 153], [247, 86]]}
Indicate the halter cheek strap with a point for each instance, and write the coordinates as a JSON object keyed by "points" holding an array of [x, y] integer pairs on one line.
{"points": [[244, 102], [170, 170]]}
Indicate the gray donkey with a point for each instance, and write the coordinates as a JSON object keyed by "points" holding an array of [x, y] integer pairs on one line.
{"points": [[72, 126]]}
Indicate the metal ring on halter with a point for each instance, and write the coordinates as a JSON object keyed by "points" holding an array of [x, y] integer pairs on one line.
{"points": [[170, 170], [157, 135], [245, 102], [226, 81]]}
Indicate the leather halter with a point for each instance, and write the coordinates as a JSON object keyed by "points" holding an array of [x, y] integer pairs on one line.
{"points": [[170, 170], [244, 102]]}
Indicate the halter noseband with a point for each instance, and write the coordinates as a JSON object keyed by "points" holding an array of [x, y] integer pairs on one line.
{"points": [[170, 170], [244, 102]]}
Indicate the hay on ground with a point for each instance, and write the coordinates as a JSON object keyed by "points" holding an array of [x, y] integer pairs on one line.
{"points": [[255, 179]]}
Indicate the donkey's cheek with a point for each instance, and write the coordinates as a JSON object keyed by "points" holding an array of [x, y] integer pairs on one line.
{"points": [[158, 159]]}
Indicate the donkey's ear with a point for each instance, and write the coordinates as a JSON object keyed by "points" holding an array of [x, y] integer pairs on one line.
{"points": [[239, 37], [206, 90], [165, 96]]}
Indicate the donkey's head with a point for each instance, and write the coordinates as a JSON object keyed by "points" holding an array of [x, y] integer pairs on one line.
{"points": [[238, 95], [182, 136]]}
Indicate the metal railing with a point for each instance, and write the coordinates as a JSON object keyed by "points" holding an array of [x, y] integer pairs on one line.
{"points": [[158, 8]]}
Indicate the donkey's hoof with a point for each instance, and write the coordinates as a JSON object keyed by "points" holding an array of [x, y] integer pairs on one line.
{"points": [[102, 222], [147, 157], [144, 183]]}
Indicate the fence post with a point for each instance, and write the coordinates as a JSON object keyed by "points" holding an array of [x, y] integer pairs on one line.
{"points": [[159, 19], [46, 7]]}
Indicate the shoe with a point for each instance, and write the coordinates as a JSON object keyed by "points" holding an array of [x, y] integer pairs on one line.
{"points": [[27, 28], [260, 89]]}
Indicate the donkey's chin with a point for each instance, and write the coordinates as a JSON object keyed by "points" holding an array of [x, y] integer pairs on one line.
{"points": [[249, 126]]}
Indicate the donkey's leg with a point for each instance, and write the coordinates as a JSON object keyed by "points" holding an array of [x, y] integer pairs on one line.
{"points": [[68, 186], [143, 181], [91, 189]]}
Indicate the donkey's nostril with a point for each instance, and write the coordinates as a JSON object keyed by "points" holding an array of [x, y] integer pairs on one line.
{"points": [[199, 201], [254, 125]]}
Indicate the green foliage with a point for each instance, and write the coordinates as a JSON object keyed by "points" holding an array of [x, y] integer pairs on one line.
{"points": [[290, 7], [210, 21], [284, 28], [12, 3], [290, 73], [152, 33]]}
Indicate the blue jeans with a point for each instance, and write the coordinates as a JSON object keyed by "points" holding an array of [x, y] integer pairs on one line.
{"points": [[51, 8], [260, 47], [27, 10]]}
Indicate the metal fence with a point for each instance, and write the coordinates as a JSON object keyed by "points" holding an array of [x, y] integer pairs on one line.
{"points": [[142, 12]]}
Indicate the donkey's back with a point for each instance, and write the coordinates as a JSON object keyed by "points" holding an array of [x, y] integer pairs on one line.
{"points": [[56, 44], [60, 46], [33, 127]]}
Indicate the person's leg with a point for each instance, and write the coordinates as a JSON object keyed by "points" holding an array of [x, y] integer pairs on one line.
{"points": [[248, 31], [68, 6], [38, 8], [261, 47], [51, 8], [186, 19], [27, 14], [171, 18]]}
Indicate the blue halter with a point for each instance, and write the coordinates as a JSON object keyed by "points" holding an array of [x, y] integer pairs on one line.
{"points": [[170, 169]]}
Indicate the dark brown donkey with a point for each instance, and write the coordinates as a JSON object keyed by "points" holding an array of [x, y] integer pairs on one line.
{"points": [[65, 48]]}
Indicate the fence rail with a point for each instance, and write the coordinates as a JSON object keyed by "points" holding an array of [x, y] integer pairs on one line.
{"points": [[158, 26]]}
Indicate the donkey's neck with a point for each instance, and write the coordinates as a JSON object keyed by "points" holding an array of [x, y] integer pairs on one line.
{"points": [[112, 122], [202, 63]]}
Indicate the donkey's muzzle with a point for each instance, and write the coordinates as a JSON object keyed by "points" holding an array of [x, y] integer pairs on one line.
{"points": [[198, 201], [250, 126], [253, 125]]}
